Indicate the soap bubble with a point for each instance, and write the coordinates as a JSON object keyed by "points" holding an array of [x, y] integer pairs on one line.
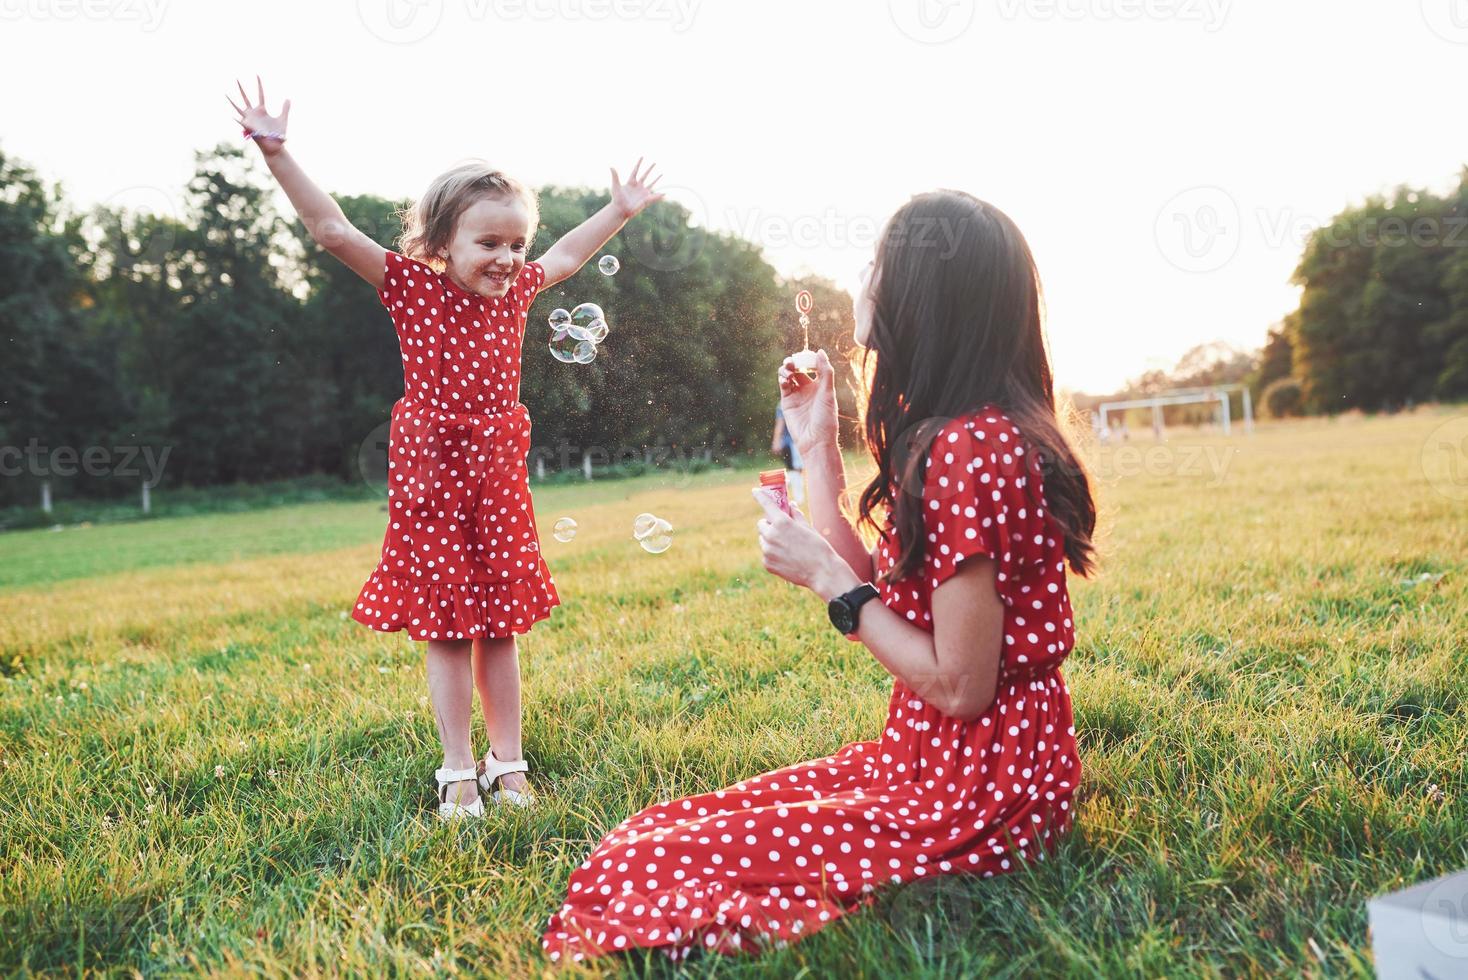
{"points": [[585, 352], [586, 321], [653, 533], [563, 346], [609, 265], [565, 529], [559, 318], [599, 331], [658, 539]]}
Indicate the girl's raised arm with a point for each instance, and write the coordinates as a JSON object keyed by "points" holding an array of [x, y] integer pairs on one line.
{"points": [[318, 211], [579, 244]]}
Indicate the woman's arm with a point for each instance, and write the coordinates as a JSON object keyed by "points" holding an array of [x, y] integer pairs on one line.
{"points": [[825, 481], [956, 667], [810, 414], [577, 246], [318, 211]]}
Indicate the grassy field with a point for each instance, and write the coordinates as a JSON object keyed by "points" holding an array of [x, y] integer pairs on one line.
{"points": [[205, 767]]}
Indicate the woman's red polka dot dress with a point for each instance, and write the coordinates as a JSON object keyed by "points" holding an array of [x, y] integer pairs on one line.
{"points": [[780, 855], [461, 558]]}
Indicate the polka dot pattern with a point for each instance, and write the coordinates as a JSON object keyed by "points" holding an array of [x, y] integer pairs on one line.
{"points": [[461, 557], [778, 856]]}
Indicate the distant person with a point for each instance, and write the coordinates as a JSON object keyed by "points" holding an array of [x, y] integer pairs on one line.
{"points": [[784, 447], [975, 770], [461, 566]]}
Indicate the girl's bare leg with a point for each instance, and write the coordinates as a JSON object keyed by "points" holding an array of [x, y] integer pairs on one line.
{"points": [[451, 689], [497, 676]]}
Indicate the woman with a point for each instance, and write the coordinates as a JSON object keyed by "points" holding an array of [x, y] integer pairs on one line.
{"points": [[979, 503]]}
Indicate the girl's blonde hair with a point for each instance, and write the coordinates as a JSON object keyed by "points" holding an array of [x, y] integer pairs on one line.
{"points": [[428, 225]]}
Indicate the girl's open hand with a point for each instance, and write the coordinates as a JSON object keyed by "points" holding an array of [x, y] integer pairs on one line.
{"points": [[809, 406], [255, 119], [638, 192]]}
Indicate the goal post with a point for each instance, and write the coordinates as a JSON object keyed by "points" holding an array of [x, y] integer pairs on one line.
{"points": [[1221, 394]]}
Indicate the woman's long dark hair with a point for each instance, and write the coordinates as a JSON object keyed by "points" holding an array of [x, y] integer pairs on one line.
{"points": [[956, 325]]}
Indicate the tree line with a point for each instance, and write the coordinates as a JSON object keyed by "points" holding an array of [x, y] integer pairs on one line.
{"points": [[223, 337], [1382, 322], [219, 345]]}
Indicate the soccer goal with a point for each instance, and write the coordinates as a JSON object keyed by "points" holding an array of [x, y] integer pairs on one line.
{"points": [[1219, 394]]}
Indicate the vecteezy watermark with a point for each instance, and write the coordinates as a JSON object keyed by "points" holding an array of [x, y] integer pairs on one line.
{"points": [[1199, 229], [140, 223], [410, 21], [148, 14], [667, 241], [373, 459], [1448, 19], [930, 459], [940, 21], [679, 14], [662, 239], [1444, 459], [400, 21], [35, 459], [932, 21], [1202, 228], [1286, 228], [372, 462], [835, 229], [1211, 14], [1445, 917], [1208, 464]]}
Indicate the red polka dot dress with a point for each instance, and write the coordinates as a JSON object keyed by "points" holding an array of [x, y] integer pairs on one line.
{"points": [[461, 558], [780, 855]]}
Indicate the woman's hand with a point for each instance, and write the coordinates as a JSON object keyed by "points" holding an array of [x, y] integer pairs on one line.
{"points": [[630, 198], [797, 552], [809, 406], [256, 120]]}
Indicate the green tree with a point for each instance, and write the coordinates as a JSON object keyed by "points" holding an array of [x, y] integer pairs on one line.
{"points": [[55, 382], [1381, 321], [241, 399], [693, 348], [346, 343]]}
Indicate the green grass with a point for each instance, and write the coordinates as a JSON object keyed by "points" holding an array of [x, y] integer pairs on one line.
{"points": [[84, 550], [204, 767]]}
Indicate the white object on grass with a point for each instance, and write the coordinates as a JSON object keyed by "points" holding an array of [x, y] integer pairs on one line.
{"points": [[1421, 931]]}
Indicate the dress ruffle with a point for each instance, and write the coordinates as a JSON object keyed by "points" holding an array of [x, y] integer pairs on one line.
{"points": [[712, 916], [455, 610]]}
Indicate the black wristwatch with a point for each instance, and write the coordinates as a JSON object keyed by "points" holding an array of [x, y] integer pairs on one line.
{"points": [[845, 610]]}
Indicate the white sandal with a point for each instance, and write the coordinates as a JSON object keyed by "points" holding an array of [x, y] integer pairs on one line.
{"points": [[490, 772], [447, 810]]}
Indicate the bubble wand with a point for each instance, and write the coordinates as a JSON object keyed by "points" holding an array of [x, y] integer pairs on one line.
{"points": [[804, 360]]}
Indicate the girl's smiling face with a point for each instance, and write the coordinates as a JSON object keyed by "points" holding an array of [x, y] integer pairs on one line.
{"points": [[488, 249]]}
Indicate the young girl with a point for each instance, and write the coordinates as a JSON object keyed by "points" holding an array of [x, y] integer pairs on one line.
{"points": [[982, 504], [461, 565]]}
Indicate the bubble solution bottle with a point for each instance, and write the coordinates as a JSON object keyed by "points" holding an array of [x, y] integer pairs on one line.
{"points": [[772, 484]]}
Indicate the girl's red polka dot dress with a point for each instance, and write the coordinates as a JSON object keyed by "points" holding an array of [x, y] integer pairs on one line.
{"points": [[461, 558], [775, 857]]}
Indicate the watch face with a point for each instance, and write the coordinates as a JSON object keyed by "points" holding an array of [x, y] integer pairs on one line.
{"points": [[841, 616]]}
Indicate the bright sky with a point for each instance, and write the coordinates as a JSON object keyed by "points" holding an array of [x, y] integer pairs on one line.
{"points": [[1165, 158]]}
